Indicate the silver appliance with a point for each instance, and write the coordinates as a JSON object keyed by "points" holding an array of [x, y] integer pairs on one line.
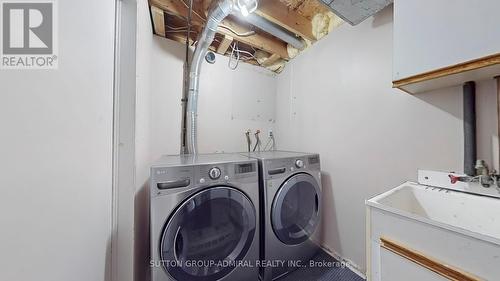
{"points": [[290, 185], [204, 218]]}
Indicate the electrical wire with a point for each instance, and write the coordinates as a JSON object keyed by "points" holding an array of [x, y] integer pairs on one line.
{"points": [[194, 12], [178, 31], [237, 50], [177, 28], [246, 34], [252, 56], [236, 56], [271, 141], [267, 144]]}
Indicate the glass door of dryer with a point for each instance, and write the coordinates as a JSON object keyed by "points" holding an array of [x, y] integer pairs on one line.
{"points": [[295, 209], [207, 234]]}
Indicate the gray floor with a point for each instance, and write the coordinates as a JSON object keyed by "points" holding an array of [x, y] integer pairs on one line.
{"points": [[322, 273]]}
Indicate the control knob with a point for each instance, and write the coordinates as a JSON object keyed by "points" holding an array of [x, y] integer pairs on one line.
{"points": [[299, 163], [214, 173]]}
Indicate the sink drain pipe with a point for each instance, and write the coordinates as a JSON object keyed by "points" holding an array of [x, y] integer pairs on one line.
{"points": [[498, 123], [470, 147]]}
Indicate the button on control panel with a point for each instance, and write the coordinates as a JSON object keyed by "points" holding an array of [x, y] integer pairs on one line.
{"points": [[214, 173], [299, 163]]}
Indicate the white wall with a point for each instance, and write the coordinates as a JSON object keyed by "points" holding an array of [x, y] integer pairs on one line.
{"points": [[336, 99], [158, 113], [218, 131], [371, 138], [124, 161], [56, 155], [143, 156]]}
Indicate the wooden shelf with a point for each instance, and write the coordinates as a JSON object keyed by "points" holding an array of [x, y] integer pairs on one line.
{"points": [[169, 19], [474, 70]]}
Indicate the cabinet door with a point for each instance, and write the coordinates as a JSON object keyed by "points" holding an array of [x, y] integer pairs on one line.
{"points": [[430, 35], [398, 262], [396, 268]]}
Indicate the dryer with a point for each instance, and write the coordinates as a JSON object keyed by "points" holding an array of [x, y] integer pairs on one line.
{"points": [[290, 194], [204, 218]]}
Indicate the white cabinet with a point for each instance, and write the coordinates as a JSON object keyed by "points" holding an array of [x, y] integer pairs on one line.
{"points": [[396, 268], [417, 233], [434, 39]]}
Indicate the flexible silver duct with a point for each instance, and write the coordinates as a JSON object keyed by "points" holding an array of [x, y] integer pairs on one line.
{"points": [[276, 31], [217, 13]]}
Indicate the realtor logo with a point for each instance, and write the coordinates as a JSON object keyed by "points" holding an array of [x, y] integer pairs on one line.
{"points": [[28, 35]]}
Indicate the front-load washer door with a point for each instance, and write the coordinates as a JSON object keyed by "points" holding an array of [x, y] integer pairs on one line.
{"points": [[295, 209], [208, 234]]}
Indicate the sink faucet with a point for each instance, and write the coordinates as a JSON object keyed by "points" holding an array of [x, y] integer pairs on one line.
{"points": [[485, 180], [484, 176]]}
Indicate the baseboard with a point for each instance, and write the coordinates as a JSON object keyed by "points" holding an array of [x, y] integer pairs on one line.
{"points": [[349, 263]]}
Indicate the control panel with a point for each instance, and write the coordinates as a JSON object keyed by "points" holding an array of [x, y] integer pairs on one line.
{"points": [[224, 172], [174, 178], [277, 168]]}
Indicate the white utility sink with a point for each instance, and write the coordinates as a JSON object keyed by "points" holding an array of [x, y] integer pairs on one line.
{"points": [[474, 215], [451, 228]]}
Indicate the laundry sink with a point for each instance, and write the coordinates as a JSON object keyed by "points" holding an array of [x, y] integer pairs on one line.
{"points": [[448, 229], [473, 215]]}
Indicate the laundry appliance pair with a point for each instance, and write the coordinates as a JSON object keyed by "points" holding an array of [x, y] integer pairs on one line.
{"points": [[244, 217]]}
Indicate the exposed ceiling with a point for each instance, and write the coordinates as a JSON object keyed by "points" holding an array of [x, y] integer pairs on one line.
{"points": [[310, 20]]}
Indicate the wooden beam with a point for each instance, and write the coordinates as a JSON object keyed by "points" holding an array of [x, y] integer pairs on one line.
{"points": [[177, 7], [158, 21], [270, 60], [278, 13], [224, 45], [261, 41], [179, 37]]}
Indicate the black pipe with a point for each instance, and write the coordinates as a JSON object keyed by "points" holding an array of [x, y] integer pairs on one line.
{"points": [[470, 148]]}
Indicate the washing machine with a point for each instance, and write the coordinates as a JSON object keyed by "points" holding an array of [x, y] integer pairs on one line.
{"points": [[290, 185], [204, 218]]}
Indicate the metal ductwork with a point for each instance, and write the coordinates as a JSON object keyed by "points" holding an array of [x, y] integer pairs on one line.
{"points": [[276, 31], [356, 11], [217, 13]]}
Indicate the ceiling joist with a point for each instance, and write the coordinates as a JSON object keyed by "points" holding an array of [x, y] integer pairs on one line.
{"points": [[170, 20], [224, 45], [279, 14]]}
